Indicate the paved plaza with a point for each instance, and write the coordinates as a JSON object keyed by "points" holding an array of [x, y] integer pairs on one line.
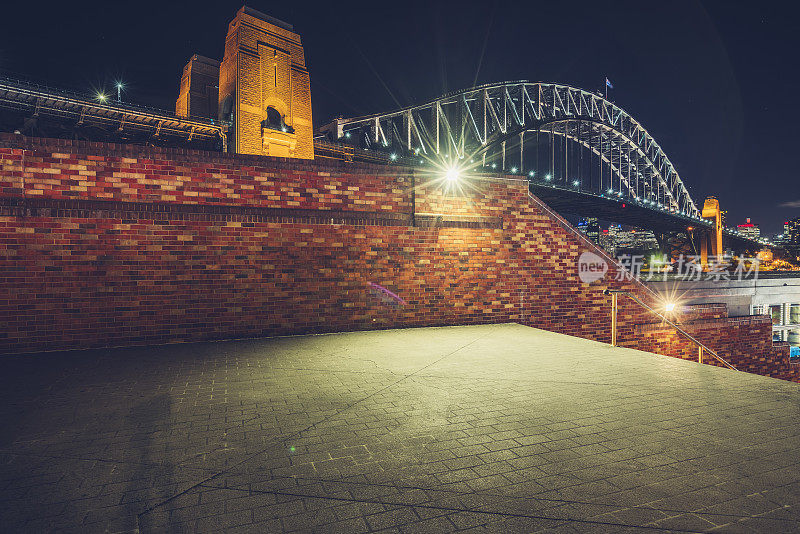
{"points": [[499, 428]]}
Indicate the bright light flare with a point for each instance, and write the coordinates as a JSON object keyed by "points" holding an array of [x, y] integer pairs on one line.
{"points": [[669, 306], [452, 174]]}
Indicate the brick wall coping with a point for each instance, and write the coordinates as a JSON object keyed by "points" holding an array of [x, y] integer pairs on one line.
{"points": [[265, 164]]}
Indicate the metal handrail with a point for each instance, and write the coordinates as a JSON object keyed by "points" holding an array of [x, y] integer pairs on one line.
{"points": [[701, 346]]}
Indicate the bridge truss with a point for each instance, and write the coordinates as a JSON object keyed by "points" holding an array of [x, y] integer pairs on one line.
{"points": [[42, 111], [556, 134]]}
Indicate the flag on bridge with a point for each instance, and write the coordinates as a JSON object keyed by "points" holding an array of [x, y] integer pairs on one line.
{"points": [[608, 84]]}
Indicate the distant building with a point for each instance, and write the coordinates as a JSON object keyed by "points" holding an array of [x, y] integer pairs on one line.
{"points": [[791, 237], [634, 239], [615, 238], [749, 230], [791, 232], [608, 238], [590, 227]]}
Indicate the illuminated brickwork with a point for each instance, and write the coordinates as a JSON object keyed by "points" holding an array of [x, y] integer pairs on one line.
{"points": [[110, 245], [265, 89], [199, 91]]}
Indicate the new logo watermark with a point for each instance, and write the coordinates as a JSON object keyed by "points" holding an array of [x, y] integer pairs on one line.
{"points": [[591, 267]]}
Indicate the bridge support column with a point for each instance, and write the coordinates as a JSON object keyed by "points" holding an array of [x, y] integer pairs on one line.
{"points": [[704, 249], [711, 211]]}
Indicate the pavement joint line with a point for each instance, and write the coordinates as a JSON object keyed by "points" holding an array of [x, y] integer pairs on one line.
{"points": [[452, 509], [81, 459], [238, 487], [313, 425]]}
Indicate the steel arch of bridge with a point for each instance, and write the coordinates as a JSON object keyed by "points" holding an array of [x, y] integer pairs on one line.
{"points": [[492, 124]]}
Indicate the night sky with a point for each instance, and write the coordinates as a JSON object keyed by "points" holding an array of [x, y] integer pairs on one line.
{"points": [[713, 82]]}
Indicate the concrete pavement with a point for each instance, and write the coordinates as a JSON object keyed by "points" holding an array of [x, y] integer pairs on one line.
{"points": [[498, 428]]}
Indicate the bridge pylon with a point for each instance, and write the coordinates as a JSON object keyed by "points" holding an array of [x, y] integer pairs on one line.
{"points": [[712, 239]]}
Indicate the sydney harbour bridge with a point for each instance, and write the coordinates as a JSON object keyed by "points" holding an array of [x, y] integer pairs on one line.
{"points": [[581, 153]]}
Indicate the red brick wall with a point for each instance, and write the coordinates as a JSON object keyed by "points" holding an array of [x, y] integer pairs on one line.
{"points": [[113, 245]]}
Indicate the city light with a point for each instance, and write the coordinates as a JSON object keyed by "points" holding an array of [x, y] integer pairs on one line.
{"points": [[547, 177], [513, 170], [669, 306], [531, 174], [576, 183], [452, 174], [393, 156], [120, 86], [101, 97]]}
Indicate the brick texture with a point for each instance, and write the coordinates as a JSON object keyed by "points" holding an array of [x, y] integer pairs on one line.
{"points": [[106, 245]]}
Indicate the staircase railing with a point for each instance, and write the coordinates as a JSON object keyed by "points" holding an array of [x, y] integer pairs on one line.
{"points": [[701, 347]]}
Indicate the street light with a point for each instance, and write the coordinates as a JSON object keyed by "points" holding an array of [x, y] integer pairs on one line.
{"points": [[452, 174], [101, 97], [120, 86]]}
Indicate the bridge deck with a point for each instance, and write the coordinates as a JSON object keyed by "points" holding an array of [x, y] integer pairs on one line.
{"points": [[504, 428]]}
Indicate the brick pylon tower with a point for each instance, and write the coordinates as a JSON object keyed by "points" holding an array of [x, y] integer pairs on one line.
{"points": [[265, 89], [198, 96]]}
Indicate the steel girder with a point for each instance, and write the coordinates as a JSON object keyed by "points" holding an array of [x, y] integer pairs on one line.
{"points": [[80, 110], [494, 123]]}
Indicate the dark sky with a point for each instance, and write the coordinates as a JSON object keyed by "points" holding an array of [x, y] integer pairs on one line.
{"points": [[714, 82]]}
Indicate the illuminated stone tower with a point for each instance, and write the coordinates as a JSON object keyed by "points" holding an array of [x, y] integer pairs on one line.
{"points": [[199, 93], [264, 88]]}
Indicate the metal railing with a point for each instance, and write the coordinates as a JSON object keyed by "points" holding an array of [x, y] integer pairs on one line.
{"points": [[78, 110], [701, 347]]}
